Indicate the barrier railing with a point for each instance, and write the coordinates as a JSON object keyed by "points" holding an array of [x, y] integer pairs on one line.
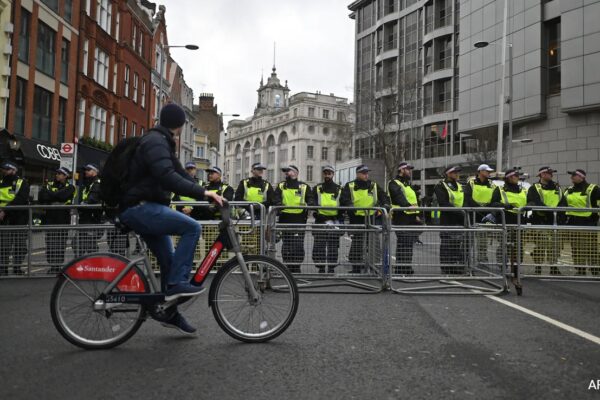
{"points": [[566, 248], [329, 256], [37, 249], [466, 258]]}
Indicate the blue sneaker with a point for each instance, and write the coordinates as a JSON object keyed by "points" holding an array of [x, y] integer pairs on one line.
{"points": [[178, 322], [183, 290]]}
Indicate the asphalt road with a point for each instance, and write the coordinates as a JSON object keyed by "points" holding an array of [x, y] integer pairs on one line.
{"points": [[379, 346]]}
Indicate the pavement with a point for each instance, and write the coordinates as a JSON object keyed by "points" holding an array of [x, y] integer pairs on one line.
{"points": [[340, 346]]}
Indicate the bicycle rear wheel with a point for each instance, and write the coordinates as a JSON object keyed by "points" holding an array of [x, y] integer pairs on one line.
{"points": [[89, 327], [244, 319]]}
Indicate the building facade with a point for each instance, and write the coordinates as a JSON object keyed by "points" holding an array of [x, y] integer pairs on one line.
{"points": [[42, 84], [556, 82], [309, 130], [208, 124], [7, 29], [183, 95]]}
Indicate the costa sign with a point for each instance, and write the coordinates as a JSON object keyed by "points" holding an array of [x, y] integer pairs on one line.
{"points": [[48, 153]]}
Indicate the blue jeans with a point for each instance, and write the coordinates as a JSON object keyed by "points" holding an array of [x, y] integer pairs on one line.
{"points": [[155, 223]]}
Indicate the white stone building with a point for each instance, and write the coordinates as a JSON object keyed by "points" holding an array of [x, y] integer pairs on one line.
{"points": [[309, 130]]}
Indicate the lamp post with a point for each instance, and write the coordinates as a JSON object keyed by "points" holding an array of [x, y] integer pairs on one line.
{"points": [[162, 63], [503, 99]]}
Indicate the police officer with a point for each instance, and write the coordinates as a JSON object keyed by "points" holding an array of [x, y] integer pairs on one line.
{"points": [[361, 193], [478, 193], [194, 212], [58, 192], [449, 193], [326, 236], [215, 184], [292, 192], [90, 195], [545, 193], [14, 191], [403, 195], [255, 189], [584, 245]]}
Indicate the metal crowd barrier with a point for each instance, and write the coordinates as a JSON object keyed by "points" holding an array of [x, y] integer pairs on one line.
{"points": [[329, 257], [563, 250], [469, 258], [38, 250]]}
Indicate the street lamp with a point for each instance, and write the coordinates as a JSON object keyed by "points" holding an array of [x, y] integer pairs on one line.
{"points": [[526, 140], [162, 63], [503, 100]]}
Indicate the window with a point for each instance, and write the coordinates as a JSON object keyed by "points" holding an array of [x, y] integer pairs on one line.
{"points": [[64, 62], [68, 10], [126, 88], [133, 128], [115, 77], [52, 4], [553, 35], [444, 95], [81, 115], [445, 53], [325, 131], [309, 152], [295, 112], [42, 114], [86, 46], [62, 119], [88, 7], [135, 87], [111, 133], [117, 26], [338, 154], [45, 49], [143, 101], [20, 104], [325, 114], [311, 129], [24, 35], [134, 37], [98, 123], [103, 14], [309, 173], [141, 44], [340, 116], [311, 111], [324, 153], [101, 67], [293, 152], [124, 127]]}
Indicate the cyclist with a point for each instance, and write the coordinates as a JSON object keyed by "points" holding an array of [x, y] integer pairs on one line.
{"points": [[155, 172]]}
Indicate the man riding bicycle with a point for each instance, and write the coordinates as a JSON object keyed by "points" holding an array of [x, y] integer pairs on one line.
{"points": [[155, 173]]}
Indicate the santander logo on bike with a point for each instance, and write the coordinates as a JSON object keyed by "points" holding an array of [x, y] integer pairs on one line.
{"points": [[89, 268]]}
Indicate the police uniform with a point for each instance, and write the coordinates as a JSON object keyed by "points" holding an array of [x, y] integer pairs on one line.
{"points": [[544, 195], [292, 192], [14, 191], [326, 236], [584, 245], [361, 194], [57, 193], [403, 195], [478, 193], [450, 193], [90, 195], [255, 189]]}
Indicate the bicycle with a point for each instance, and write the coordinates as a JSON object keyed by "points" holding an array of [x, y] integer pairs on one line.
{"points": [[101, 300]]}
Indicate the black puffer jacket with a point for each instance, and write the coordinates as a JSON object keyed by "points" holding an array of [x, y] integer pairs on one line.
{"points": [[155, 172]]}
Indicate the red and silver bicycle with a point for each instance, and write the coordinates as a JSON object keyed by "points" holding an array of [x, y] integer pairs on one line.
{"points": [[101, 300]]}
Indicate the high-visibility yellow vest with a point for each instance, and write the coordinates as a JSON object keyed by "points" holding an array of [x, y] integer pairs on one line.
{"points": [[482, 194], [580, 200], [517, 200], [87, 190], [8, 193], [456, 197], [409, 193], [293, 197], [255, 194], [551, 197], [51, 187], [325, 199], [366, 198], [220, 192]]}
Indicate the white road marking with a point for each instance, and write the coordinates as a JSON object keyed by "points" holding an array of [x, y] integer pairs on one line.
{"points": [[568, 328]]}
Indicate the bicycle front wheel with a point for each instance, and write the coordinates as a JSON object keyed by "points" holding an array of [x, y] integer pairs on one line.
{"points": [[248, 320]]}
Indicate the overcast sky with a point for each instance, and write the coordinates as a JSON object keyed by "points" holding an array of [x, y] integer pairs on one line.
{"points": [[314, 42]]}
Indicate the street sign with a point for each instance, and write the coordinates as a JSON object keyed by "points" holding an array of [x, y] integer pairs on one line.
{"points": [[67, 161], [67, 148]]}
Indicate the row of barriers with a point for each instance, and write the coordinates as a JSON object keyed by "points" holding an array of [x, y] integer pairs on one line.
{"points": [[369, 256]]}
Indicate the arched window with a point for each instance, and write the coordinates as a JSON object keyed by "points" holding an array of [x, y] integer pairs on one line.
{"points": [[283, 149]]}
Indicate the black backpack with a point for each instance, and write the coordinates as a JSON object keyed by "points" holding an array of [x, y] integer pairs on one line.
{"points": [[116, 171]]}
